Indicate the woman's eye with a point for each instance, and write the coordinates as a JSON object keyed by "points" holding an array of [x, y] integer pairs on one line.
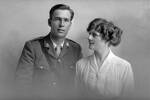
{"points": [[94, 35]]}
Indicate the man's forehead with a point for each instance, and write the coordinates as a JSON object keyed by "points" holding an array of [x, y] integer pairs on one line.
{"points": [[62, 13]]}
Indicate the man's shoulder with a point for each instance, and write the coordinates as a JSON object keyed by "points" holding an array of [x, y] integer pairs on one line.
{"points": [[73, 43], [34, 43], [36, 40]]}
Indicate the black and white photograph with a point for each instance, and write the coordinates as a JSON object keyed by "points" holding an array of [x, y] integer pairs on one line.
{"points": [[74, 49]]}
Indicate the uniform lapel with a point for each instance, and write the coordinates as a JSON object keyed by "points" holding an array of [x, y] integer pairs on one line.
{"points": [[65, 48], [49, 46]]}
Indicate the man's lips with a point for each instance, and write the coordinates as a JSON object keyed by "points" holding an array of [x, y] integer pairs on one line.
{"points": [[61, 30]]}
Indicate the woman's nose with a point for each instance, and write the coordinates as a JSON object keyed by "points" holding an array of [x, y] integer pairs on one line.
{"points": [[90, 37]]}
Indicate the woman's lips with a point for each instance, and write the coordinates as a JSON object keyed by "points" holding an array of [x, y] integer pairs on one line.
{"points": [[91, 42]]}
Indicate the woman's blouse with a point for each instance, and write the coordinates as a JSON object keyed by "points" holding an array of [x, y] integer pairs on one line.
{"points": [[112, 79]]}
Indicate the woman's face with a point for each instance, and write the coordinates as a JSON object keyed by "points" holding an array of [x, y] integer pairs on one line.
{"points": [[96, 43]]}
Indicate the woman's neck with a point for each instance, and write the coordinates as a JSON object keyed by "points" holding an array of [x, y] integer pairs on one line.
{"points": [[101, 54]]}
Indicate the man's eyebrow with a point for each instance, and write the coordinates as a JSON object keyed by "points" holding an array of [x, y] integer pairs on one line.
{"points": [[56, 17], [61, 17]]}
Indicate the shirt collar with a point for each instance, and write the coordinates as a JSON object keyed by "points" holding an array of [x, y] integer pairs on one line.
{"points": [[55, 45], [106, 61]]}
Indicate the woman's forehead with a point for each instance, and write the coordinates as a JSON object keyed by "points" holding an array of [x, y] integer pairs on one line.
{"points": [[94, 32]]}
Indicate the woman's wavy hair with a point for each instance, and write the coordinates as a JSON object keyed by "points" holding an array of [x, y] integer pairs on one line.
{"points": [[107, 30]]}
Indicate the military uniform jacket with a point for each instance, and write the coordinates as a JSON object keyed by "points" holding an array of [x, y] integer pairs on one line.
{"points": [[39, 66]]}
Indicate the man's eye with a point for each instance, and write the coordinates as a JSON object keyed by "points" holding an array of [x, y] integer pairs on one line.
{"points": [[66, 20], [55, 19]]}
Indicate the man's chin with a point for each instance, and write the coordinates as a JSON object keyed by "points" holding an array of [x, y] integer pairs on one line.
{"points": [[61, 35]]}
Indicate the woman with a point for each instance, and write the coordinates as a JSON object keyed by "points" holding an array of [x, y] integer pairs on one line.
{"points": [[103, 73]]}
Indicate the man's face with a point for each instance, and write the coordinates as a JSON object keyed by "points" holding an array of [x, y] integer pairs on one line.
{"points": [[60, 23]]}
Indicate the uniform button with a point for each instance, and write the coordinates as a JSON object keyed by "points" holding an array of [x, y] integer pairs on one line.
{"points": [[41, 67], [53, 83], [59, 60], [71, 67], [49, 84]]}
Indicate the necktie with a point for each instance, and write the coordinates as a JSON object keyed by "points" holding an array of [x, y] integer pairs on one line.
{"points": [[58, 50]]}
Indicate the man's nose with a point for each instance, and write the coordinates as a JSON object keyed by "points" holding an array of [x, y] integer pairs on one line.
{"points": [[62, 23]]}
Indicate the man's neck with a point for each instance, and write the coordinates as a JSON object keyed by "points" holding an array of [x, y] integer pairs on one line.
{"points": [[57, 40]]}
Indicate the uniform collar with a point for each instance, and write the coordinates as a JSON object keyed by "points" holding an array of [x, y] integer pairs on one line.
{"points": [[48, 44], [55, 45]]}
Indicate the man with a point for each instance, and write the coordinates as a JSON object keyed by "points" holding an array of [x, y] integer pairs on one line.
{"points": [[49, 62]]}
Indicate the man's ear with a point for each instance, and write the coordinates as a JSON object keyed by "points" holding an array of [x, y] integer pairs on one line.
{"points": [[49, 22], [71, 22]]}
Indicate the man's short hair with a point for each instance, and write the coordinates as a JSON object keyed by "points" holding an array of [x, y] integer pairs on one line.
{"points": [[62, 7]]}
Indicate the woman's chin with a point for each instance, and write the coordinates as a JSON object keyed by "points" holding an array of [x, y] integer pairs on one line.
{"points": [[91, 47]]}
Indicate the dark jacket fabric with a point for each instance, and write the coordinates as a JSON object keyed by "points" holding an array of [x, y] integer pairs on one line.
{"points": [[39, 66]]}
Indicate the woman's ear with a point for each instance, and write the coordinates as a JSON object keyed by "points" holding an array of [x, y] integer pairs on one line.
{"points": [[49, 22]]}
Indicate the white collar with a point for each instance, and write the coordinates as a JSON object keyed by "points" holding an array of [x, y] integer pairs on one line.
{"points": [[106, 60], [55, 45]]}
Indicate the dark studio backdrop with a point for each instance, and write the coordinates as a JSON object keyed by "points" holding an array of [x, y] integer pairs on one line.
{"points": [[22, 20]]}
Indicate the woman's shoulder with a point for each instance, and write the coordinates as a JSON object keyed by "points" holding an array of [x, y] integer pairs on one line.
{"points": [[83, 62], [121, 63], [118, 61], [121, 66]]}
